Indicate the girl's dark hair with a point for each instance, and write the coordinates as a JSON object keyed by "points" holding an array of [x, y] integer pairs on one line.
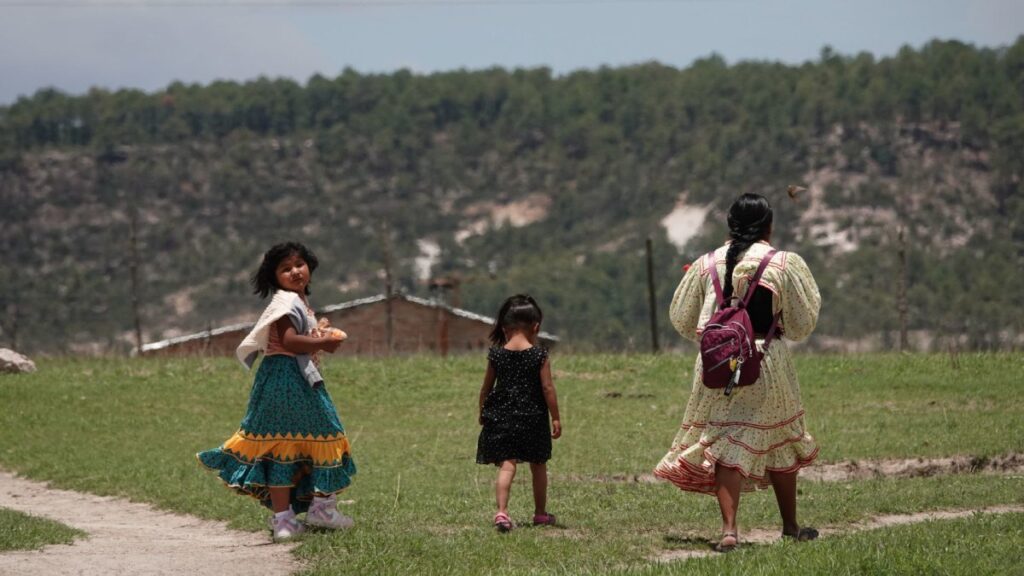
{"points": [[750, 220], [264, 281], [518, 312]]}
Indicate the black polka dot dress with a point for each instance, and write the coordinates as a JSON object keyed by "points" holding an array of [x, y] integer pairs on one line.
{"points": [[515, 415]]}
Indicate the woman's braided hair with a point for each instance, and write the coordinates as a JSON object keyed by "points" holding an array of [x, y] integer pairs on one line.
{"points": [[750, 221]]}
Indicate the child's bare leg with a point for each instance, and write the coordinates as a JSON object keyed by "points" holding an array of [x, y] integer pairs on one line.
{"points": [[540, 488], [784, 485], [301, 473], [727, 488], [503, 487], [280, 498]]}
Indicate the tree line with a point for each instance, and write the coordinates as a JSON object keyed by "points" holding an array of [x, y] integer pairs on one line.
{"points": [[613, 149]]}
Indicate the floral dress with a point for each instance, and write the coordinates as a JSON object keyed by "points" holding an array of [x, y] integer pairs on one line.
{"points": [[759, 428]]}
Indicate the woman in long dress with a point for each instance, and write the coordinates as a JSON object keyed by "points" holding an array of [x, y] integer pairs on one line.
{"points": [[755, 437]]}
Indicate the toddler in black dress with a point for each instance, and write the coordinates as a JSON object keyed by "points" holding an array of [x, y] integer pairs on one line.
{"points": [[516, 399]]}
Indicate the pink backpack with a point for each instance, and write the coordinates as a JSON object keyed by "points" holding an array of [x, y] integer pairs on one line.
{"points": [[727, 349]]}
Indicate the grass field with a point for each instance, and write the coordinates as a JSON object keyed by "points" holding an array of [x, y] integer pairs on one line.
{"points": [[23, 532], [131, 428]]}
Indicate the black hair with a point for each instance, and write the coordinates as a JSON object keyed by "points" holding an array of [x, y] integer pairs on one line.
{"points": [[750, 221], [518, 312], [264, 281]]}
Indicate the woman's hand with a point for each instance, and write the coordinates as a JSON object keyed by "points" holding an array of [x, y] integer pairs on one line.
{"points": [[556, 429]]}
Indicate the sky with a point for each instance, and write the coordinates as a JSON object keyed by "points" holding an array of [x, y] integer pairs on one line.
{"points": [[73, 45]]}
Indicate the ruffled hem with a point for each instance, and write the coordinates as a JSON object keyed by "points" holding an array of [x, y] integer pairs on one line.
{"points": [[757, 430], [692, 468], [324, 450], [255, 477]]}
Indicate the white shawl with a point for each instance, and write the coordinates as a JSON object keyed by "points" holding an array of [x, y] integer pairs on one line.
{"points": [[284, 303]]}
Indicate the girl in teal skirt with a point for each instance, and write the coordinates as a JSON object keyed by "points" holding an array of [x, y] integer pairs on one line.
{"points": [[290, 451]]}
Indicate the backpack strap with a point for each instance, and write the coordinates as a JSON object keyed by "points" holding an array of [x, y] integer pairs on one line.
{"points": [[713, 267], [750, 294], [771, 331], [720, 295], [757, 276]]}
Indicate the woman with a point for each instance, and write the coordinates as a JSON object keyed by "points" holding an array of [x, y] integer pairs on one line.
{"points": [[754, 437]]}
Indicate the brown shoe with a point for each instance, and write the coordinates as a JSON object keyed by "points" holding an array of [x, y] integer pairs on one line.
{"points": [[724, 546]]}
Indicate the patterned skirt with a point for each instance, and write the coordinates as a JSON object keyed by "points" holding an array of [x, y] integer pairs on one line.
{"points": [[757, 430], [291, 436]]}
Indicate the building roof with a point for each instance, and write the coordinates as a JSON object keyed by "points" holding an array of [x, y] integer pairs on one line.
{"points": [[150, 347], [153, 346]]}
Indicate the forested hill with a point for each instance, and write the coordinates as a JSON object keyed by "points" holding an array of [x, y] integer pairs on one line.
{"points": [[523, 181]]}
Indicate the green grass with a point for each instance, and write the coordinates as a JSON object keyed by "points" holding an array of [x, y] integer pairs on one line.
{"points": [[23, 532], [982, 544], [131, 428], [907, 406], [606, 526]]}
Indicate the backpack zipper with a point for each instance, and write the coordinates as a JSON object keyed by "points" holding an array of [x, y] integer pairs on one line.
{"points": [[717, 365], [713, 348]]}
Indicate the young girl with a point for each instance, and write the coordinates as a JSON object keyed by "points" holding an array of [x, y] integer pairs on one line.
{"points": [[516, 398], [291, 448]]}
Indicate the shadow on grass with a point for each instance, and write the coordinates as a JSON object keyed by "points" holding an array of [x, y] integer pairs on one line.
{"points": [[688, 542]]}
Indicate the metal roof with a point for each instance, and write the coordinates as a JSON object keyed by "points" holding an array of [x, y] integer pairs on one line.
{"points": [[197, 336], [333, 308]]}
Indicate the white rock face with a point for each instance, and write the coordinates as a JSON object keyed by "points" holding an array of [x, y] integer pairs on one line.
{"points": [[483, 215], [430, 254], [13, 363], [684, 222]]}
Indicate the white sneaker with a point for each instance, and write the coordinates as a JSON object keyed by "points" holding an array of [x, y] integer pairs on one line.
{"points": [[323, 513], [286, 528]]}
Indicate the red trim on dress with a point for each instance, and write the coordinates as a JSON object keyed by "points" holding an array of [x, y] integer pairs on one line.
{"points": [[746, 447], [692, 478], [753, 450], [789, 420], [780, 255]]}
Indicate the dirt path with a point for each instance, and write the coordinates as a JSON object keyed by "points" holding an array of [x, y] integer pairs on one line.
{"points": [[131, 538], [134, 538], [849, 470], [763, 537]]}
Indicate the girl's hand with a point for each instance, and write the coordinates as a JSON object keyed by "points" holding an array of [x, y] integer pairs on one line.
{"points": [[330, 345], [556, 429]]}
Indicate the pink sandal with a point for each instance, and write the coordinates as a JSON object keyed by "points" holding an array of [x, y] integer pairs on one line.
{"points": [[544, 520], [502, 522]]}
